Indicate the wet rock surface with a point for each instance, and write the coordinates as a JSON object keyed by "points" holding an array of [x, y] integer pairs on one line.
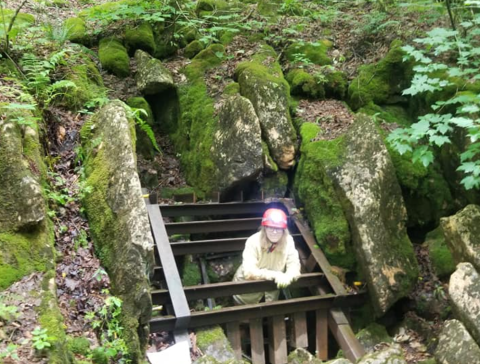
{"points": [[456, 345]]}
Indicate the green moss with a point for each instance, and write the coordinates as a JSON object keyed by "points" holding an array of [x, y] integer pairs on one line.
{"points": [[193, 48], [231, 89], [315, 190], [336, 85], [76, 30], [275, 185], [24, 253], [388, 114], [99, 356], [114, 57], [315, 52], [165, 41], [140, 37], [79, 345], [304, 84], [207, 6], [227, 37], [194, 135], [269, 8], [379, 82], [191, 275], [84, 73], [440, 256], [51, 319], [269, 162], [209, 336]]}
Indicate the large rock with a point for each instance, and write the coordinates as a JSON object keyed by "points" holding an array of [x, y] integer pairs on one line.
{"points": [[21, 200], [118, 218], [462, 233], [464, 292], [215, 346], [152, 77], [455, 345], [368, 189], [237, 145], [390, 355], [268, 91], [373, 335], [302, 356]]}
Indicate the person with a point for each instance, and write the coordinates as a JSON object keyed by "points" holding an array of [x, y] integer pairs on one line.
{"points": [[269, 254]]}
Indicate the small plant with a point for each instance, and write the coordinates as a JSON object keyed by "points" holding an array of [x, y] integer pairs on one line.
{"points": [[8, 313], [136, 115], [81, 240], [301, 60], [40, 339], [107, 323], [10, 352]]}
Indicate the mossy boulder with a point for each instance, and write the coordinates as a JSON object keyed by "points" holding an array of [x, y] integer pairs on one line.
{"points": [[118, 219], [204, 7], [114, 57], [197, 122], [462, 234], [315, 190], [302, 356], [152, 77], [314, 52], [464, 295], [373, 335], [214, 345], [439, 253], [191, 275], [23, 205], [165, 43], [362, 176], [335, 84], [237, 146], [382, 82], [144, 145], [456, 345], [389, 355], [79, 345], [140, 37], [275, 185], [304, 84], [83, 72], [76, 31], [269, 8], [261, 81], [193, 48]]}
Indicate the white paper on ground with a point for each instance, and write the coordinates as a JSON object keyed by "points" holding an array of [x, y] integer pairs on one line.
{"points": [[175, 354]]}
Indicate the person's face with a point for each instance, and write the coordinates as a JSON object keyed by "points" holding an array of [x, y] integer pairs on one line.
{"points": [[273, 234]]}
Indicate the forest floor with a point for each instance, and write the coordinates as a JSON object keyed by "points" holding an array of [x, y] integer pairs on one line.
{"points": [[360, 35]]}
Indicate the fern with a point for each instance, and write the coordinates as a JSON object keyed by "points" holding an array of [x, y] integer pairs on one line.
{"points": [[147, 129]]}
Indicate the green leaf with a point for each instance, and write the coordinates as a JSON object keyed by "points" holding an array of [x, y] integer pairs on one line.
{"points": [[469, 109], [470, 182], [439, 140], [462, 122]]}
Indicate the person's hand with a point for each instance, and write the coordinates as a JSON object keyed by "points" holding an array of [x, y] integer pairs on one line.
{"points": [[283, 280]]}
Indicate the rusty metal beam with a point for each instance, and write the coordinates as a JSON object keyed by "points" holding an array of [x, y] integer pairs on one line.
{"points": [[213, 226], [260, 310], [216, 290]]}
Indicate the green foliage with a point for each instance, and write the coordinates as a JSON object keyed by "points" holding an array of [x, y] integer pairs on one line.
{"points": [[8, 313], [136, 114], [458, 112], [107, 323], [40, 339], [10, 352]]}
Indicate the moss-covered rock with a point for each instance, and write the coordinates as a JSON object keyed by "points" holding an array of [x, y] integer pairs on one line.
{"points": [[275, 185], [301, 356], [114, 57], [440, 256], [165, 43], [232, 89], [314, 52], [315, 190], [269, 8], [79, 345], [51, 319], [213, 343], [76, 31], [191, 275], [261, 81], [456, 345], [462, 234], [336, 84], [140, 37], [389, 355], [373, 335], [152, 77], [83, 72], [304, 84], [382, 81], [193, 48], [118, 219]]}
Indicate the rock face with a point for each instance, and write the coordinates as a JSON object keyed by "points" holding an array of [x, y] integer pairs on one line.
{"points": [[237, 145], [464, 292], [462, 234], [390, 355], [372, 199], [301, 356], [372, 335], [118, 218], [268, 91], [455, 345], [20, 191], [215, 347], [152, 77]]}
